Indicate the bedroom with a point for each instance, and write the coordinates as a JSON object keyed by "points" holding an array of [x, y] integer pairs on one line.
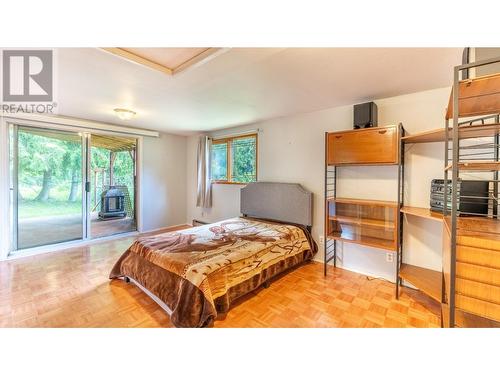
{"points": [[249, 186]]}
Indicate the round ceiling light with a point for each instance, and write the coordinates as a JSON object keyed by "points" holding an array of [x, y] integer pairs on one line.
{"points": [[124, 114]]}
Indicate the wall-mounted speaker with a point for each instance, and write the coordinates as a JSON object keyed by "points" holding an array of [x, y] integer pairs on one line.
{"points": [[365, 115]]}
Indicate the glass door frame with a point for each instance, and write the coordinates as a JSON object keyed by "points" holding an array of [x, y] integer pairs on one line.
{"points": [[85, 134], [89, 185], [87, 151], [15, 185]]}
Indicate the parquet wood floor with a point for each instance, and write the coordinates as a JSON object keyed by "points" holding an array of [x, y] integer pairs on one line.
{"points": [[71, 289]]}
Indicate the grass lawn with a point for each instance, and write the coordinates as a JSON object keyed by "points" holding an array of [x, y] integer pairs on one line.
{"points": [[32, 208], [57, 204]]}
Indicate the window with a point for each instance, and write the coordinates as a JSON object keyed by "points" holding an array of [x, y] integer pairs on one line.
{"points": [[234, 160]]}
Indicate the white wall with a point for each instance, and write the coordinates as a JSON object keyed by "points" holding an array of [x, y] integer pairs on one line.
{"points": [[291, 149], [163, 181]]}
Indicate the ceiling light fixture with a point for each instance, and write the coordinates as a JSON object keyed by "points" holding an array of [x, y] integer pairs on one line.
{"points": [[124, 114]]}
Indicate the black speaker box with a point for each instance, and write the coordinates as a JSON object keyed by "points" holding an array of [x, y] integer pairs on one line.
{"points": [[365, 115]]}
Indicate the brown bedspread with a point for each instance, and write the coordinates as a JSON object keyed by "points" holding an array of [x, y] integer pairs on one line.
{"points": [[199, 271]]}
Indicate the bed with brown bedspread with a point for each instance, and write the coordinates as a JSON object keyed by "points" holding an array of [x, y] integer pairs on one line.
{"points": [[199, 272]]}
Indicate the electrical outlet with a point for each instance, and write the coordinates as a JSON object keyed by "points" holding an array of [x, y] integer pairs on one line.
{"points": [[389, 257], [321, 240]]}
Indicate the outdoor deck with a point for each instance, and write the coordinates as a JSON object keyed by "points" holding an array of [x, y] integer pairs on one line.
{"points": [[48, 230]]}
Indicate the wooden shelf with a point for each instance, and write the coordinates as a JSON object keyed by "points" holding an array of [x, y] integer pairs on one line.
{"points": [[426, 213], [477, 96], [363, 222], [349, 236], [479, 232], [478, 131], [477, 166], [465, 132], [436, 135], [363, 202], [426, 280]]}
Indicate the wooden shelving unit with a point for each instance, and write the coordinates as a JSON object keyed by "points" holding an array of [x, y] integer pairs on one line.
{"points": [[471, 245], [425, 213], [366, 222], [426, 280], [371, 223]]}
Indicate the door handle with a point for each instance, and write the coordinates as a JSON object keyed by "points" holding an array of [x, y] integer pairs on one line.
{"points": [[87, 187]]}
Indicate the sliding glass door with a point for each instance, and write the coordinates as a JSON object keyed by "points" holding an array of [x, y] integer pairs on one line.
{"points": [[112, 177], [70, 186], [48, 170]]}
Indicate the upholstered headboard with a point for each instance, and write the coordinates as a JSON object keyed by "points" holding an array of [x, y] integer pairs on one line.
{"points": [[277, 201]]}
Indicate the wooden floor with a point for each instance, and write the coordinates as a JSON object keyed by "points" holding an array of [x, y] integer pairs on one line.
{"points": [[71, 289]]}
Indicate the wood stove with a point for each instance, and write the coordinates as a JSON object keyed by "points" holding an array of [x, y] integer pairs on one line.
{"points": [[112, 203]]}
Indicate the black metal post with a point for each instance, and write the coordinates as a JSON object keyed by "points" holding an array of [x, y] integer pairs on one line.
{"points": [[445, 198], [495, 174], [454, 195], [399, 229], [325, 229], [335, 197]]}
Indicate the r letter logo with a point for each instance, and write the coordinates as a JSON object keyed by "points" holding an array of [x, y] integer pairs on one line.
{"points": [[27, 76]]}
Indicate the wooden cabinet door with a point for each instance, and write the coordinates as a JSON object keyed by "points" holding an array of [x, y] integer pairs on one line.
{"points": [[366, 146]]}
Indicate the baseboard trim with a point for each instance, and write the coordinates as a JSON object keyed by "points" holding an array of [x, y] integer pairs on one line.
{"points": [[64, 246], [371, 275], [74, 244]]}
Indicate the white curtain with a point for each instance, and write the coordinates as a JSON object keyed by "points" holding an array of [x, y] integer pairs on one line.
{"points": [[204, 191]]}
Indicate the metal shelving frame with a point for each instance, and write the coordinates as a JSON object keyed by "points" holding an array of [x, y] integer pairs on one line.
{"points": [[330, 245], [478, 153], [401, 199]]}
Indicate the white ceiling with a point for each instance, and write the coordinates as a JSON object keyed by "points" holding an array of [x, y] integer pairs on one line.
{"points": [[243, 85]]}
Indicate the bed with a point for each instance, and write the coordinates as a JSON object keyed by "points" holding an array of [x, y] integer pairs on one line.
{"points": [[197, 273]]}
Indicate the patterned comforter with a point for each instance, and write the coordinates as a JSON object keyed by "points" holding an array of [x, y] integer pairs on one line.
{"points": [[199, 271]]}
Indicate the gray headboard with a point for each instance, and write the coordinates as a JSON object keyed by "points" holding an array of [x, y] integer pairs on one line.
{"points": [[277, 201]]}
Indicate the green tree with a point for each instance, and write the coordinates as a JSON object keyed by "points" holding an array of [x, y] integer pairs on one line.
{"points": [[52, 164], [244, 160], [39, 158], [72, 168]]}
